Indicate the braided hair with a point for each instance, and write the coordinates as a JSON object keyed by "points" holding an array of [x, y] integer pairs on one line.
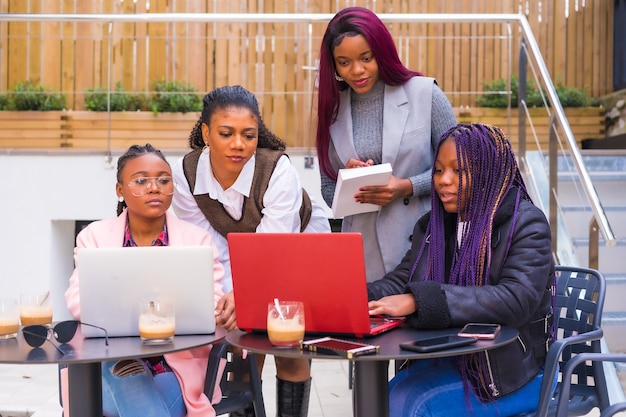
{"points": [[488, 167], [487, 164], [238, 97], [133, 152]]}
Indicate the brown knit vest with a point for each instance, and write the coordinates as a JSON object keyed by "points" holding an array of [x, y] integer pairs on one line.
{"points": [[213, 210]]}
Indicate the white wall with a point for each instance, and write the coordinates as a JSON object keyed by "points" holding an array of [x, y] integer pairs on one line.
{"points": [[44, 193]]}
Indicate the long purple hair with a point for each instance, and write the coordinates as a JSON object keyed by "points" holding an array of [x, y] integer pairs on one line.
{"points": [[488, 166], [352, 21]]}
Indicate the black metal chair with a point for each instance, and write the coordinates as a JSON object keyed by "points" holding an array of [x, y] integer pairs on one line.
{"points": [[237, 393], [587, 359], [578, 315], [613, 410]]}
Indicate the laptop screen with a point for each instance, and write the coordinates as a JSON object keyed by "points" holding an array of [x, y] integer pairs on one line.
{"points": [[326, 271], [113, 282]]}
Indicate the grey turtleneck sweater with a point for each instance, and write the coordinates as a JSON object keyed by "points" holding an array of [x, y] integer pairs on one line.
{"points": [[367, 122]]}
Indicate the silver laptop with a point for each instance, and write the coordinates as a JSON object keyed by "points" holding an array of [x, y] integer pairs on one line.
{"points": [[114, 281]]}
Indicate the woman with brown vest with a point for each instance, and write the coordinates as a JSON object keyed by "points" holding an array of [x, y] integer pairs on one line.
{"points": [[238, 178]]}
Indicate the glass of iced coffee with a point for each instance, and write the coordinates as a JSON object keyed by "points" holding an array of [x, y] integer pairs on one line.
{"points": [[157, 323], [9, 318], [35, 308], [285, 323]]}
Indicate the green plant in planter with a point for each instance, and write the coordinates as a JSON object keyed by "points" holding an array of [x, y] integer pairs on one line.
{"points": [[96, 99], [493, 97], [575, 97], [4, 101], [28, 96], [174, 96]]}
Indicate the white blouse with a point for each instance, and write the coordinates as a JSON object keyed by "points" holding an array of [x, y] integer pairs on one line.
{"points": [[282, 200]]}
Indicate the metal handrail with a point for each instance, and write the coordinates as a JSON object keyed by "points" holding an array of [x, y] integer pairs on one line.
{"points": [[599, 220], [258, 18], [527, 37]]}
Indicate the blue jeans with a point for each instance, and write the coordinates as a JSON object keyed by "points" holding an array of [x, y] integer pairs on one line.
{"points": [[435, 388], [141, 394]]}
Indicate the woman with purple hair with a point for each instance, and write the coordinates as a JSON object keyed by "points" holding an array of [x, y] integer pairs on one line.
{"points": [[373, 110], [482, 254]]}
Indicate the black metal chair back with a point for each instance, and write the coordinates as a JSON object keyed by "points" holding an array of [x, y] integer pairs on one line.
{"points": [[572, 365], [580, 296], [237, 393]]}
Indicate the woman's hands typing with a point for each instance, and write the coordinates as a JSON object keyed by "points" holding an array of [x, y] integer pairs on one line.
{"points": [[398, 305]]}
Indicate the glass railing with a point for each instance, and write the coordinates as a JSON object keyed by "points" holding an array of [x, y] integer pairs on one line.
{"points": [[274, 55]]}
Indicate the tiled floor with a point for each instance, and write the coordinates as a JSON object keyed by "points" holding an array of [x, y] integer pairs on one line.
{"points": [[330, 394], [29, 390], [32, 390]]}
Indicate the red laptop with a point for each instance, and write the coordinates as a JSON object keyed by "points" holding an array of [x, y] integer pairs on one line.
{"points": [[326, 271]]}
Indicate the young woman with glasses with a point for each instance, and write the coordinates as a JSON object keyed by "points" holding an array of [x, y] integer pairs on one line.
{"points": [[168, 385]]}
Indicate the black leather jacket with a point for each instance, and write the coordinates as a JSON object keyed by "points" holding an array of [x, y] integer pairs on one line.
{"points": [[518, 293]]}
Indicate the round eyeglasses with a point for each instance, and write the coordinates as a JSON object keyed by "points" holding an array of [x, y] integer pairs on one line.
{"points": [[141, 185]]}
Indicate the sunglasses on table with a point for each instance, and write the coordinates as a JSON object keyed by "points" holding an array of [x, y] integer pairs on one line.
{"points": [[63, 332]]}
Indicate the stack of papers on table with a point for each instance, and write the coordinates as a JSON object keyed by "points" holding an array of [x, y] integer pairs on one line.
{"points": [[348, 183]]}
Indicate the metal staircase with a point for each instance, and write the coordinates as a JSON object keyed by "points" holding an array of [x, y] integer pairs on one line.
{"points": [[607, 170]]}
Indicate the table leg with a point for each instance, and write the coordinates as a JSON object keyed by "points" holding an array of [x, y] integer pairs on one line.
{"points": [[85, 389], [370, 394]]}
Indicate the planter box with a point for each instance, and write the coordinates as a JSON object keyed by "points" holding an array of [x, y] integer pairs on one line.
{"points": [[90, 130], [31, 129], [585, 122]]}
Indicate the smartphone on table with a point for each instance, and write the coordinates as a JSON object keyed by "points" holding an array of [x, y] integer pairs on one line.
{"points": [[480, 330], [345, 348], [437, 343]]}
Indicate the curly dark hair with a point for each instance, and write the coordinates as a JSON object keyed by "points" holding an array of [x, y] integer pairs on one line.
{"points": [[232, 96]]}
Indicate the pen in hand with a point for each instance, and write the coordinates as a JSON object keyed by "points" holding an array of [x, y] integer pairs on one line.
{"points": [[357, 163]]}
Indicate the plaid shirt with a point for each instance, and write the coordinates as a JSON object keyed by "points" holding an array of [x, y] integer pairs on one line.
{"points": [[161, 240], [156, 364]]}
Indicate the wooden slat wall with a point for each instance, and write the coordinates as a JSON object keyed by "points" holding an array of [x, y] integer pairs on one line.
{"points": [[586, 123], [4, 36], [270, 59]]}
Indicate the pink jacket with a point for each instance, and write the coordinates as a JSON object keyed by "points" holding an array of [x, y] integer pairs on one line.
{"points": [[190, 365]]}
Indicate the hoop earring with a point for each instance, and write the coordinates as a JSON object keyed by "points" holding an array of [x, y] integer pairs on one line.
{"points": [[338, 78]]}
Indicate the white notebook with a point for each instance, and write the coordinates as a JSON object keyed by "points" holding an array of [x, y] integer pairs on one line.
{"points": [[113, 282], [348, 183]]}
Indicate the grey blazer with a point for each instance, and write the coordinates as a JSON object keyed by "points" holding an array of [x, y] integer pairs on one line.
{"points": [[407, 145]]}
